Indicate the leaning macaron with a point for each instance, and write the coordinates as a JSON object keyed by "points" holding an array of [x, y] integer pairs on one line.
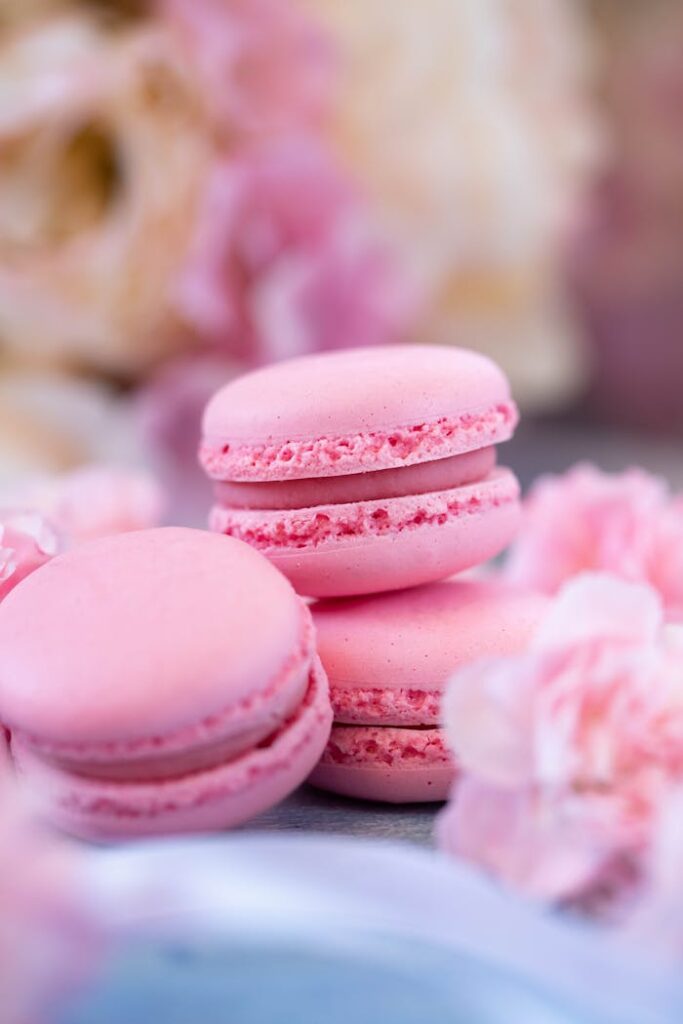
{"points": [[160, 681], [388, 658], [365, 470]]}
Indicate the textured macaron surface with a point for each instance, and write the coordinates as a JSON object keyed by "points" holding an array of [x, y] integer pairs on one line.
{"points": [[145, 643], [355, 411], [388, 656], [218, 797]]}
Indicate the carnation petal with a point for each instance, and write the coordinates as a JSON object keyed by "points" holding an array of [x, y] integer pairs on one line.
{"points": [[599, 606]]}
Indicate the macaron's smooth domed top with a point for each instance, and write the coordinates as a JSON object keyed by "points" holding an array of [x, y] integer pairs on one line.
{"points": [[351, 393], [417, 637], [141, 634]]}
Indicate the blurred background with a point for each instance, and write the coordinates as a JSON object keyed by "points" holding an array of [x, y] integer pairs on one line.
{"points": [[189, 188]]}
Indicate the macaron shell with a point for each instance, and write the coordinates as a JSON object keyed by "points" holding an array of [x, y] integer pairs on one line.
{"points": [[337, 392], [355, 411], [340, 550], [388, 705], [222, 797], [151, 641], [407, 644], [385, 764]]}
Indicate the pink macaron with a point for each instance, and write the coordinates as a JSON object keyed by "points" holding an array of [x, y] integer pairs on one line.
{"points": [[388, 658], [365, 470], [160, 681]]}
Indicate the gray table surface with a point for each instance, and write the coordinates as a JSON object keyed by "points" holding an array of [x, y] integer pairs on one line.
{"points": [[536, 448]]}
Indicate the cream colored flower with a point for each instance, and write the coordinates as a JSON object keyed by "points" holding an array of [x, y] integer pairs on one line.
{"points": [[100, 165], [466, 121], [50, 423]]}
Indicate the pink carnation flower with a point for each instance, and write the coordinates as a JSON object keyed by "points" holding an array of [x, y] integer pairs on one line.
{"points": [[168, 413], [657, 921], [284, 262], [99, 500], [26, 542], [95, 501], [263, 65], [626, 524], [46, 938], [569, 749], [106, 146]]}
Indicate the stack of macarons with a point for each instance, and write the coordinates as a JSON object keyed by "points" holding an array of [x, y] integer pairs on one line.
{"points": [[365, 470], [169, 680], [373, 472]]}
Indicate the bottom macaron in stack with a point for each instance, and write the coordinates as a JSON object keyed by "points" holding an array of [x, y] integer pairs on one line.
{"points": [[388, 657]]}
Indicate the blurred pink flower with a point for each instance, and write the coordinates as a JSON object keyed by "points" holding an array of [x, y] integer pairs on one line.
{"points": [[103, 153], [626, 524], [94, 501], [284, 260], [47, 943], [535, 845], [107, 152], [658, 918], [569, 749], [263, 65], [471, 125], [169, 410], [27, 541]]}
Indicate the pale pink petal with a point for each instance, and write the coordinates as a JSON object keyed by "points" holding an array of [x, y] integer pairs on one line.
{"points": [[27, 541], [600, 606], [536, 846], [625, 524], [284, 259], [99, 500], [487, 713], [47, 943], [580, 742], [92, 501], [263, 65]]}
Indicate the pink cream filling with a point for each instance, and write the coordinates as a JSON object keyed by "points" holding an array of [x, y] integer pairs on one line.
{"points": [[421, 478], [287, 530]]}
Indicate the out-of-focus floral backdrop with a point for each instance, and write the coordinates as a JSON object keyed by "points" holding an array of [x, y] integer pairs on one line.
{"points": [[192, 187]]}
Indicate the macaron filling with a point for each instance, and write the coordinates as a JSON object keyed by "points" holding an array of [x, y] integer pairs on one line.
{"points": [[290, 529], [421, 478], [127, 800]]}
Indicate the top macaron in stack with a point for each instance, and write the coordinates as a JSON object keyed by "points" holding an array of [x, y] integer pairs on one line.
{"points": [[365, 470]]}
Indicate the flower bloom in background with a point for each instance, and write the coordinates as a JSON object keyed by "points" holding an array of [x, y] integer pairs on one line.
{"points": [[470, 126], [27, 541], [120, 144], [265, 67], [569, 750], [626, 263], [627, 524], [657, 922], [102, 162], [283, 260], [93, 501], [47, 942]]}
